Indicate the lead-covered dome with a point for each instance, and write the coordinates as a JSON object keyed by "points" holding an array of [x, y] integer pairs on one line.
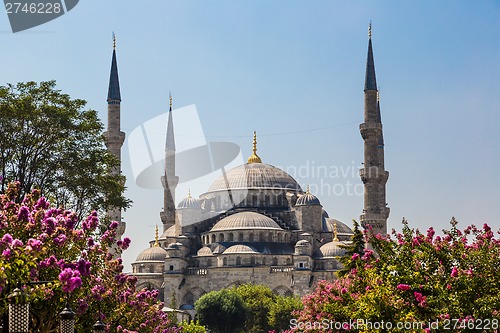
{"points": [[240, 248], [246, 220], [332, 249], [189, 202], [307, 199], [154, 253], [255, 176]]}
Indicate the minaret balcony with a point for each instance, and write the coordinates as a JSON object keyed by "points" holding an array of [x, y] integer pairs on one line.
{"points": [[373, 174], [370, 129]]}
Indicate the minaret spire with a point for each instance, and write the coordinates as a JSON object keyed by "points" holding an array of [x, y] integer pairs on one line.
{"points": [[373, 174], [169, 179], [114, 136]]}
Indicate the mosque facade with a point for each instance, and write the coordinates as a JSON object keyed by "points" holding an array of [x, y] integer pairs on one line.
{"points": [[255, 223]]}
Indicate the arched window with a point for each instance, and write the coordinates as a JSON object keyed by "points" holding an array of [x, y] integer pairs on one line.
{"points": [[271, 238], [288, 261], [238, 261], [263, 260], [240, 237], [275, 261], [286, 238], [250, 237], [252, 261], [213, 238], [231, 237], [280, 238], [221, 237], [261, 237], [224, 261]]}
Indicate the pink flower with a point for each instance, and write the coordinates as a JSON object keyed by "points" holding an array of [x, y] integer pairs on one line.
{"points": [[113, 225], [403, 287], [70, 280], [7, 238], [355, 256], [454, 272]]}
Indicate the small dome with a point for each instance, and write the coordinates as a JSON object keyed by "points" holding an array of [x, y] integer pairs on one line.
{"points": [[246, 220], [307, 199], [302, 243], [170, 232], [189, 202], [239, 248], [342, 228], [154, 253], [332, 249], [174, 246], [204, 252]]}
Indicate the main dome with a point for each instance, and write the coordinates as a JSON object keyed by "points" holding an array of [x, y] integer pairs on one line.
{"points": [[255, 176]]}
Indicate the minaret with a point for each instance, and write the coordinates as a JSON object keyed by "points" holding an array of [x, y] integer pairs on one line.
{"points": [[373, 174], [115, 137], [169, 180]]}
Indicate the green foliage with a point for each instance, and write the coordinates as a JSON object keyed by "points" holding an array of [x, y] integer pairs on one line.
{"points": [[192, 327], [418, 278], [50, 143], [222, 311], [356, 247], [259, 300], [281, 311]]}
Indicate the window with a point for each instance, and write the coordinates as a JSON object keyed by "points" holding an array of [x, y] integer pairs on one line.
{"points": [[240, 237], [275, 261], [252, 261], [224, 261], [171, 267], [221, 237], [250, 237], [271, 238], [301, 265], [288, 261], [238, 261], [261, 237], [213, 238], [231, 237]]}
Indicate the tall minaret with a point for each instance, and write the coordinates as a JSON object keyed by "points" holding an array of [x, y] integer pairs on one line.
{"points": [[169, 180], [373, 174], [115, 137]]}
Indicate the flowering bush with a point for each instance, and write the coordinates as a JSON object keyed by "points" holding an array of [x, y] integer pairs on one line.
{"points": [[435, 283], [41, 243]]}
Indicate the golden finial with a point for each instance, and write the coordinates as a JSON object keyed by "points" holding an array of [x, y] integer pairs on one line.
{"points": [[370, 30], [170, 97], [156, 236], [308, 190], [114, 41], [189, 193], [335, 238], [254, 158]]}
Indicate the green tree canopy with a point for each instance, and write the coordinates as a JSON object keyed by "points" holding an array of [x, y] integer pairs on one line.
{"points": [[222, 311], [259, 299], [51, 143]]}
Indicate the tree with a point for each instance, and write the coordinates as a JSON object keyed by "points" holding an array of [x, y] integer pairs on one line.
{"points": [[355, 248], [192, 327], [259, 300], [438, 283], [50, 143], [71, 263], [282, 310], [222, 311]]}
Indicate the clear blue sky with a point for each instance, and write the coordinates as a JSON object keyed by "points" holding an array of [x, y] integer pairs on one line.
{"points": [[294, 71]]}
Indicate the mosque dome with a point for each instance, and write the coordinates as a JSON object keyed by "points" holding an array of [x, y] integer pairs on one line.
{"points": [[303, 243], [189, 202], [204, 252], [154, 253], [246, 220], [255, 176], [342, 228], [332, 249], [307, 199], [239, 248], [170, 232]]}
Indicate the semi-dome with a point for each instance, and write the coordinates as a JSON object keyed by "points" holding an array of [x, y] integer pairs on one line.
{"points": [[342, 228], [332, 249], [246, 220], [154, 253], [189, 202], [204, 252], [240, 248], [255, 176], [307, 199]]}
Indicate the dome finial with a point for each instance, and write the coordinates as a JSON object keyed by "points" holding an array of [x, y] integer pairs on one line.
{"points": [[254, 158], [170, 97], [335, 238], [308, 190], [114, 41], [189, 193], [370, 29], [156, 236]]}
